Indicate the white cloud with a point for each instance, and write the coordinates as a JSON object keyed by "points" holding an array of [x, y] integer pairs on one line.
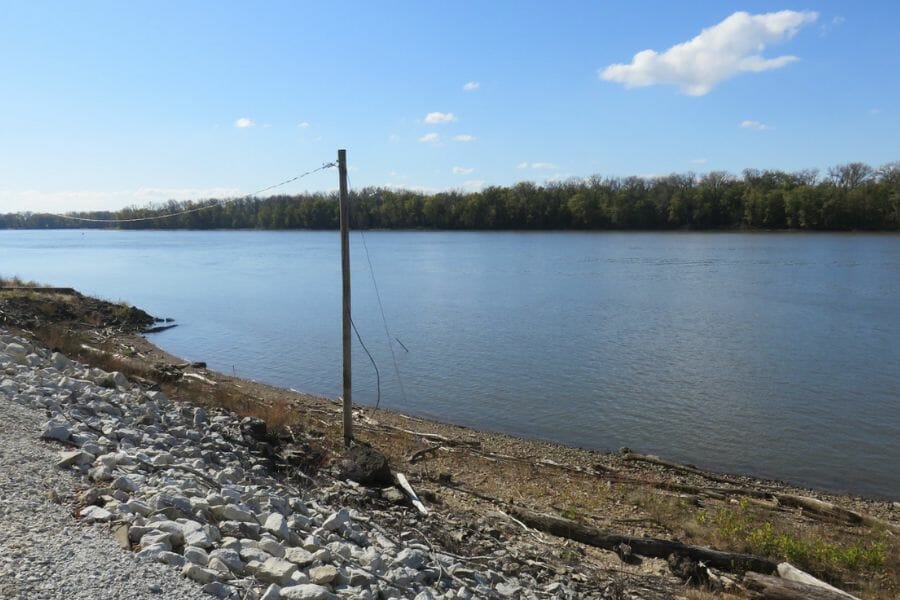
{"points": [[244, 123], [718, 53], [433, 118], [698, 161], [303, 125], [522, 165], [473, 183], [471, 86], [464, 137], [755, 125], [543, 165], [430, 138], [393, 138], [462, 170]]}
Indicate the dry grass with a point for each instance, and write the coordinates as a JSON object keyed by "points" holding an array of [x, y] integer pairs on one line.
{"points": [[16, 282]]}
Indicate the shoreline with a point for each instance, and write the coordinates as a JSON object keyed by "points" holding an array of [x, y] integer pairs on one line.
{"points": [[547, 443], [458, 470], [585, 458]]}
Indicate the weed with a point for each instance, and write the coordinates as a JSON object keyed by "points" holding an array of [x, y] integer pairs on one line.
{"points": [[571, 514], [741, 527]]}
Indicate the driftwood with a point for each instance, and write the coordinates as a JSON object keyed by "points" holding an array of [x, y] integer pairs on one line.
{"points": [[433, 437], [414, 498], [654, 460], [778, 588], [833, 512], [199, 377], [792, 573], [653, 547]]}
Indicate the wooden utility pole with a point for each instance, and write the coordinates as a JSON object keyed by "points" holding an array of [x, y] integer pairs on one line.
{"points": [[345, 276]]}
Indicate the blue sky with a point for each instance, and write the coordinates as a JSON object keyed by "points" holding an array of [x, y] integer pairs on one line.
{"points": [[109, 104]]}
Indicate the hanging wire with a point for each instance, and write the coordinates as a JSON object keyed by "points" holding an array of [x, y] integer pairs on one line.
{"points": [[194, 209], [377, 372], [381, 309]]}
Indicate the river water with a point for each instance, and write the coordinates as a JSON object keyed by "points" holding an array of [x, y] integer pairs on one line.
{"points": [[776, 355]]}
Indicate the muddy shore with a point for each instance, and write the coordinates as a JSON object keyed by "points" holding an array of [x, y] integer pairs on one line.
{"points": [[463, 471]]}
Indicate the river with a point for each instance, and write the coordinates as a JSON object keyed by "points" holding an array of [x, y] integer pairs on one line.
{"points": [[772, 354]]}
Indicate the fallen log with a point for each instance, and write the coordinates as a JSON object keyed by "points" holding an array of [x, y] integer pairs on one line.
{"points": [[833, 512], [792, 573], [777, 588], [654, 460], [434, 437], [645, 546]]}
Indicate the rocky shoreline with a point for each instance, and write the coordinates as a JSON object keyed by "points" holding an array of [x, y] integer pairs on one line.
{"points": [[174, 463], [191, 489]]}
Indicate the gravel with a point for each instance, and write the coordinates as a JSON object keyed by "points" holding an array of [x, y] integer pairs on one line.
{"points": [[44, 551], [196, 492]]}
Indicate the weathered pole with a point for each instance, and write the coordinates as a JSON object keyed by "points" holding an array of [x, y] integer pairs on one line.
{"points": [[345, 277]]}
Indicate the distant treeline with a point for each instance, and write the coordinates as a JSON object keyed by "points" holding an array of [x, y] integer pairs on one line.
{"points": [[851, 196]]}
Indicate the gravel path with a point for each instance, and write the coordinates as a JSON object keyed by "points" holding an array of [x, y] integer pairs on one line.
{"points": [[44, 551]]}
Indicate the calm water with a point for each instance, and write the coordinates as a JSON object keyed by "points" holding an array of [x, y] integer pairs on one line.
{"points": [[771, 354]]}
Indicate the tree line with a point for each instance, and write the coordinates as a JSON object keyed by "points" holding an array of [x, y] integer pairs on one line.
{"points": [[853, 196]]}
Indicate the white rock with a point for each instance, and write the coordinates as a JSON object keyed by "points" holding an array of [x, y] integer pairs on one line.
{"points": [[217, 589], [74, 457], [156, 538], [230, 512], [60, 361], [230, 558], [56, 430], [508, 590], [199, 574], [272, 547], [170, 558], [277, 525], [152, 552], [219, 567], [322, 575], [95, 514], [16, 351], [139, 507], [306, 591], [338, 520], [119, 379], [9, 387], [298, 556], [196, 555], [276, 570]]}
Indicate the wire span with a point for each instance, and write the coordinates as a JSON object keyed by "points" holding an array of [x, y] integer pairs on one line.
{"points": [[190, 210]]}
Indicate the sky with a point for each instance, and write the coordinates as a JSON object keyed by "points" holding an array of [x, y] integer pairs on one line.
{"points": [[111, 104]]}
